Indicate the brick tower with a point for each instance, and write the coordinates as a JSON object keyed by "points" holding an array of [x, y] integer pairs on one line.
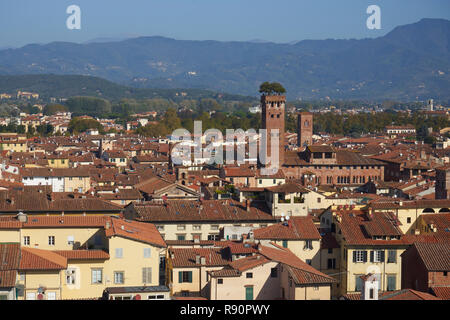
{"points": [[304, 129], [273, 108]]}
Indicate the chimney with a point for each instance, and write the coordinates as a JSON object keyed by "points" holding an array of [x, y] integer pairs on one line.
{"points": [[247, 205], [197, 259], [370, 287], [203, 260], [22, 217], [108, 224]]}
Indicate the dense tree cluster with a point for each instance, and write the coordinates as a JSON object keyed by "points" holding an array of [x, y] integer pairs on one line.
{"points": [[78, 125]]}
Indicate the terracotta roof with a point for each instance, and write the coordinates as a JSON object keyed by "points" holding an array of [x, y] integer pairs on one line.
{"points": [[65, 221], [409, 204], [83, 254], [9, 256], [139, 231], [205, 210], [441, 221], [8, 278], [301, 271], [355, 225], [37, 259], [435, 256], [288, 188], [250, 262], [442, 292], [404, 294], [187, 257], [297, 228]]}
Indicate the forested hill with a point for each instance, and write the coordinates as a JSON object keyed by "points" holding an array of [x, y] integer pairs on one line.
{"points": [[65, 86]]}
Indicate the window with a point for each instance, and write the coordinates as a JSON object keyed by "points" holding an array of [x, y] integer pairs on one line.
{"points": [[248, 293], [147, 275], [97, 276], [185, 276], [26, 240], [392, 256], [316, 288], [31, 296], [319, 200], [213, 237], [308, 244], [285, 244], [445, 273], [308, 261], [196, 227], [360, 256], [119, 253], [147, 252], [215, 227], [391, 282], [371, 293], [249, 275], [219, 281], [330, 250], [181, 227], [160, 228], [331, 263], [181, 237], [70, 276], [119, 277], [358, 283], [273, 272], [377, 256], [408, 220], [51, 240]]}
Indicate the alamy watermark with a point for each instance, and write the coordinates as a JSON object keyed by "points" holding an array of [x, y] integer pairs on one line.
{"points": [[239, 147], [74, 20]]}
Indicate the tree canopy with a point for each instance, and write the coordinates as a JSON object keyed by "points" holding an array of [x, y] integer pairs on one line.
{"points": [[268, 88]]}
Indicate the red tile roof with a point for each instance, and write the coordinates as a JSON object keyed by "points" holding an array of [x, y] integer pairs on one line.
{"points": [[435, 256], [37, 259], [297, 228], [8, 278], [83, 254], [139, 231], [187, 257], [302, 272], [206, 210], [405, 294], [442, 292]]}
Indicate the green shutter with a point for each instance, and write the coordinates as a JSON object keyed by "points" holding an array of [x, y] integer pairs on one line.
{"points": [[180, 277], [354, 256], [248, 293], [190, 276]]}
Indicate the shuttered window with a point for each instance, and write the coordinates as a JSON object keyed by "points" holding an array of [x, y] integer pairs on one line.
{"points": [[185, 276], [391, 282], [146, 275], [359, 256], [392, 256]]}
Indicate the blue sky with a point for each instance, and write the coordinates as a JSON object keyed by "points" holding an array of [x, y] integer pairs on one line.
{"points": [[42, 21]]}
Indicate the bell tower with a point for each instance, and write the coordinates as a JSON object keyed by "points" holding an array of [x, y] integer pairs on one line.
{"points": [[304, 129], [272, 111]]}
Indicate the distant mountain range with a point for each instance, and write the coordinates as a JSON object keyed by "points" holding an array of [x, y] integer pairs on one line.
{"points": [[412, 62]]}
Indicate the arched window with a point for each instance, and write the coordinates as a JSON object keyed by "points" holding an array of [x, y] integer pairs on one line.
{"points": [[428, 210]]}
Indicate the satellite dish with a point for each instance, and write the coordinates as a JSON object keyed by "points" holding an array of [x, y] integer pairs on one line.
{"points": [[282, 219], [287, 218]]}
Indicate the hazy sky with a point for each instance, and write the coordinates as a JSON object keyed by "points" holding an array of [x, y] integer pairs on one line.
{"points": [[42, 21]]}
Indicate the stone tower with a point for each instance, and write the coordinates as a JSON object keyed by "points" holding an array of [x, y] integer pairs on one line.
{"points": [[272, 111], [304, 129]]}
